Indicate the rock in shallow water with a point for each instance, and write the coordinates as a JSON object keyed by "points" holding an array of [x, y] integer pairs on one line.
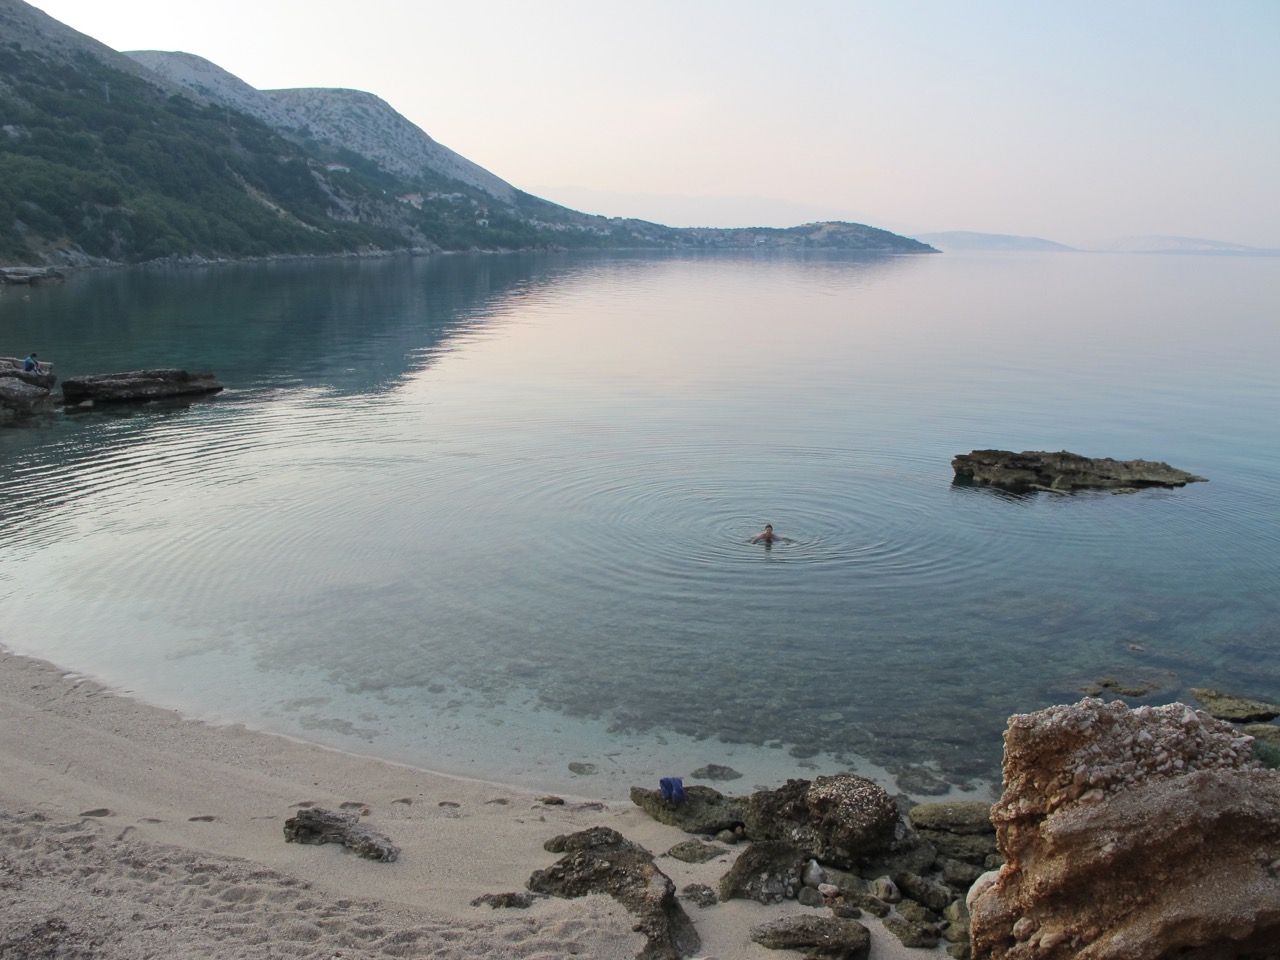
{"points": [[1063, 471]]}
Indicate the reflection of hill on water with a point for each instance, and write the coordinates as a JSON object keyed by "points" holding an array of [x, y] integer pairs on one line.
{"points": [[346, 325]]}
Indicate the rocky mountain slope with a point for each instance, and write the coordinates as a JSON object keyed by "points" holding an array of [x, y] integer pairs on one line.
{"points": [[343, 119], [108, 158]]}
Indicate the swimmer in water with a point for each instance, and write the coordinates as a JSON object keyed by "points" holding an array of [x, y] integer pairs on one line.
{"points": [[766, 535]]}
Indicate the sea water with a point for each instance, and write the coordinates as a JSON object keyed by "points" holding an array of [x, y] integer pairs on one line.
{"points": [[491, 515]]}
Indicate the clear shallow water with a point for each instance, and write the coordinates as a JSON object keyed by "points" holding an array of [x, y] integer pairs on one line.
{"points": [[490, 515]]}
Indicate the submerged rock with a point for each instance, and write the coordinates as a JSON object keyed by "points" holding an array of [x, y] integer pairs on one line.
{"points": [[1225, 706], [1063, 471], [1132, 834]]}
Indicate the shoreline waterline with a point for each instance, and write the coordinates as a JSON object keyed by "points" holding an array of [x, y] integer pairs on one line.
{"points": [[548, 753], [102, 792]]}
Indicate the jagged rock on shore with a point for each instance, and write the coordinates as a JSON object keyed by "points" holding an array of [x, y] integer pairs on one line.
{"points": [[601, 860], [839, 820], [959, 830], [25, 393], [1131, 835], [824, 938], [1064, 472], [318, 825], [705, 810], [138, 385]]}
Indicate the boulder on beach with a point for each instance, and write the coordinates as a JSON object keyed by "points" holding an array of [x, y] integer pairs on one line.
{"points": [[601, 860], [703, 810], [1135, 834], [1063, 471], [839, 820]]}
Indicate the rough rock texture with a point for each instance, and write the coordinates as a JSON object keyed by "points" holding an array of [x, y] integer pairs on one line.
{"points": [[1039, 470], [318, 825], [824, 938], [695, 851], [837, 820], [138, 385], [600, 860], [1132, 834], [767, 872], [704, 809], [959, 830], [24, 394], [1225, 706]]}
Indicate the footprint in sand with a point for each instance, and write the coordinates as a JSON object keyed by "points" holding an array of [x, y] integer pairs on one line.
{"points": [[96, 812]]}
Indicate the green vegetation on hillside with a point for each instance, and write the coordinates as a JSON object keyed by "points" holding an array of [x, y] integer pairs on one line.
{"points": [[98, 165]]}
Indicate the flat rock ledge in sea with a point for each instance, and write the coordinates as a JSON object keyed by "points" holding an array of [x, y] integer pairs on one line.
{"points": [[1137, 834], [1063, 472], [137, 385]]}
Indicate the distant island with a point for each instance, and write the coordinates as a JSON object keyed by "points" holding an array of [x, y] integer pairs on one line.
{"points": [[112, 158], [1196, 245], [961, 240]]}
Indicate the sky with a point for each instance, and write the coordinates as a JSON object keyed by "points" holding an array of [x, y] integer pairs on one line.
{"points": [[1081, 121]]}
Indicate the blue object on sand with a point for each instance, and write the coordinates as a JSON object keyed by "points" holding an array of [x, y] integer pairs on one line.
{"points": [[672, 788]]}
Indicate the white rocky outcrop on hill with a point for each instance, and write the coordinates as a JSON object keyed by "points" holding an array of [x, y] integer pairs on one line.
{"points": [[347, 119], [33, 29], [369, 126], [211, 84]]}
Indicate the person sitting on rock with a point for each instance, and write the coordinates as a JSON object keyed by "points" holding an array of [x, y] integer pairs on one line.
{"points": [[31, 364]]}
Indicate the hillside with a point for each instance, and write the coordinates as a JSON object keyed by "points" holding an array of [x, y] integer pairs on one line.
{"points": [[107, 158]]}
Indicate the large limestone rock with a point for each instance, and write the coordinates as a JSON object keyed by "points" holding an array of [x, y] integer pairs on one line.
{"points": [[1132, 835], [1039, 470]]}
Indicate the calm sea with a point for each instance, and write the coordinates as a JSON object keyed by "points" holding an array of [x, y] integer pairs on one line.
{"points": [[490, 515]]}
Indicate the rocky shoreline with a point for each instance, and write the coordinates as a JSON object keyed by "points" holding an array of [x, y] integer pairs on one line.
{"points": [[1135, 833]]}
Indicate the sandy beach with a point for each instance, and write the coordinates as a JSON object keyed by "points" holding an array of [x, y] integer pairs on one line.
{"points": [[129, 831]]}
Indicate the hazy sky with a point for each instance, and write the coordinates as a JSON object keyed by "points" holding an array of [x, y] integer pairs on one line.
{"points": [[1078, 121]]}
